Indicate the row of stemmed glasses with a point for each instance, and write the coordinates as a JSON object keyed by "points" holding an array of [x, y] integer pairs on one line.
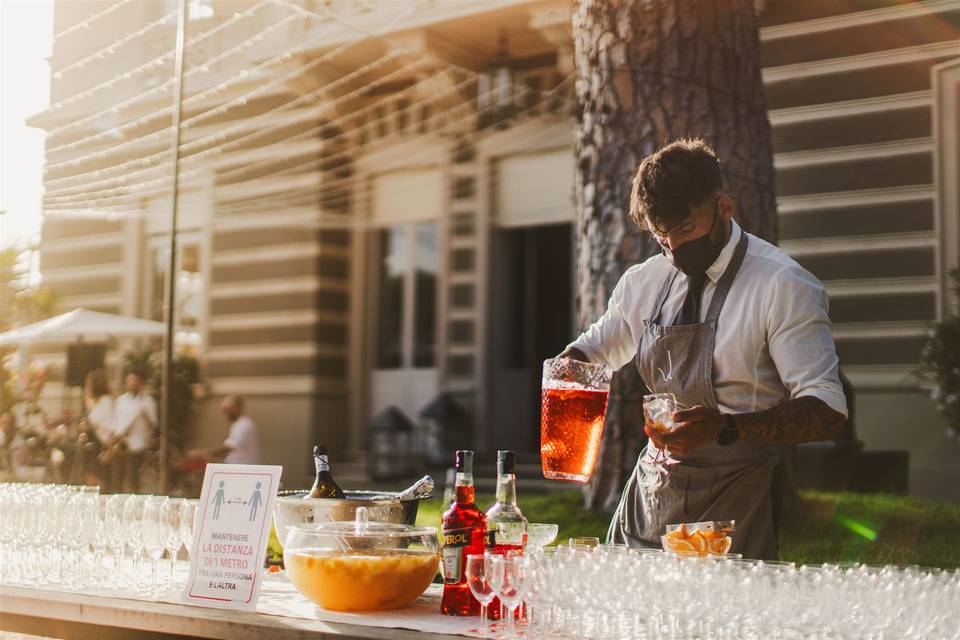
{"points": [[503, 576], [609, 591], [59, 534]]}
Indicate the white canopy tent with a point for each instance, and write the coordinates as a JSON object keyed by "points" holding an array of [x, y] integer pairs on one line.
{"points": [[82, 324]]}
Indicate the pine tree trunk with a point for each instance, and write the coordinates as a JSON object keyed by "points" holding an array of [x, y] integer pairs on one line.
{"points": [[652, 71]]}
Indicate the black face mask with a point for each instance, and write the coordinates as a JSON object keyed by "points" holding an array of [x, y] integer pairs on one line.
{"points": [[695, 256]]}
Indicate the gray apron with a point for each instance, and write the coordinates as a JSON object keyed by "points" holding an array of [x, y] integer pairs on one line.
{"points": [[712, 482]]}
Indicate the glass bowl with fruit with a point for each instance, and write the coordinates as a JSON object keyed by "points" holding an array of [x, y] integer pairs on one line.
{"points": [[699, 539], [361, 565]]}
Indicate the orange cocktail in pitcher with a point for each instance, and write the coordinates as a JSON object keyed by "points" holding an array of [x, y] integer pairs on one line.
{"points": [[573, 405]]}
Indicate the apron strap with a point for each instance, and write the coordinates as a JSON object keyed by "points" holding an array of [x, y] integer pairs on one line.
{"points": [[726, 280], [662, 296]]}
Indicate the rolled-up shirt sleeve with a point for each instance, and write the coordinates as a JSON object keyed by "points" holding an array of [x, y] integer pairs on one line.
{"points": [[608, 340], [801, 341]]}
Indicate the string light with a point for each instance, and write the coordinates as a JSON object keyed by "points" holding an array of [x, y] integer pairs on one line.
{"points": [[86, 23], [155, 91], [349, 181], [195, 157], [156, 62], [246, 123], [260, 132], [546, 96], [329, 185], [139, 189], [259, 69], [111, 48]]}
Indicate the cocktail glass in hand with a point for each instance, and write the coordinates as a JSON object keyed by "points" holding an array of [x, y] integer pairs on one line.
{"points": [[658, 410], [480, 587], [573, 405]]}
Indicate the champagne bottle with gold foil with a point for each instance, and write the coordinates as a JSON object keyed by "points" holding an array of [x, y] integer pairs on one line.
{"points": [[324, 486]]}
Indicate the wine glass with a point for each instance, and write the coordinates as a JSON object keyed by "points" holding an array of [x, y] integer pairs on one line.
{"points": [[171, 512], [512, 587], [539, 535], [97, 534], [154, 535], [8, 525], [479, 585], [133, 531], [116, 533], [188, 520]]}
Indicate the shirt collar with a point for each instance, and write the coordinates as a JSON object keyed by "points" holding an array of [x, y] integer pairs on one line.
{"points": [[719, 265]]}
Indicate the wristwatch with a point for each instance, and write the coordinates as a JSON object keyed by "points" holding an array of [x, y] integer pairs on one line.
{"points": [[729, 435]]}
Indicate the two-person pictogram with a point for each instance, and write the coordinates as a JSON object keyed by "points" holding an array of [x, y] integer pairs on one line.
{"points": [[219, 499]]}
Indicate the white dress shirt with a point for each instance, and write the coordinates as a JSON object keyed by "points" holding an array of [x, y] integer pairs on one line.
{"points": [[774, 340], [129, 423], [244, 442], [100, 418]]}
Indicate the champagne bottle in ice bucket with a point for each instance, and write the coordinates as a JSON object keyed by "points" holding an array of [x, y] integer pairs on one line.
{"points": [[324, 486], [573, 405]]}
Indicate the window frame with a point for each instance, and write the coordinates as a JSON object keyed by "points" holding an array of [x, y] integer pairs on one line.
{"points": [[408, 306], [161, 244]]}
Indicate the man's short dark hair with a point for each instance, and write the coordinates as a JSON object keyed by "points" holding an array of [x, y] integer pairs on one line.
{"points": [[681, 175]]}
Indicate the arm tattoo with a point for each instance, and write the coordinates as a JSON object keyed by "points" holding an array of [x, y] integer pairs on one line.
{"points": [[803, 419]]}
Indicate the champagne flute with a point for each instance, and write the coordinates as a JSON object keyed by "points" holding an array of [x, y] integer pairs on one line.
{"points": [[154, 535], [116, 534], [97, 523], [133, 531], [188, 520], [172, 512], [512, 587], [479, 585]]}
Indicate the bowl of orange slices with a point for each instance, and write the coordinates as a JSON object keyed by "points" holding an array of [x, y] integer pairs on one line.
{"points": [[699, 539]]}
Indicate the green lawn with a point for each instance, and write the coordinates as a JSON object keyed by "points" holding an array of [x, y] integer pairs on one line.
{"points": [[825, 527]]}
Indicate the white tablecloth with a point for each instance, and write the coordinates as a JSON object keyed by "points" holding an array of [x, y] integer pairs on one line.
{"points": [[278, 597]]}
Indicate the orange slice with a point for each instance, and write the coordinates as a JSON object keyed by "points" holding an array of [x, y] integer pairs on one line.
{"points": [[699, 543], [719, 546], [683, 548]]}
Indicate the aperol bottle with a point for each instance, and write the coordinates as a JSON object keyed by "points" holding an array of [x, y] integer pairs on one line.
{"points": [[463, 532]]}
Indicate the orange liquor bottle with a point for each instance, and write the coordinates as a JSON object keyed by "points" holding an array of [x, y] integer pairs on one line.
{"points": [[463, 532]]}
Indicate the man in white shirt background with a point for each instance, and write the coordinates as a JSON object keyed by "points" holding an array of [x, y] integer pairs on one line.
{"points": [[242, 445], [738, 332], [135, 418]]}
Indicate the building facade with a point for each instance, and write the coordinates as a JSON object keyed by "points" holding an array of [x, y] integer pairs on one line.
{"points": [[376, 200]]}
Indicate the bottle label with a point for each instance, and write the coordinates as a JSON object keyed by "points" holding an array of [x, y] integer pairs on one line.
{"points": [[321, 463], [454, 543]]}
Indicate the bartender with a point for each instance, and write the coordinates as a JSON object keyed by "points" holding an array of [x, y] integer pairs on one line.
{"points": [[738, 332]]}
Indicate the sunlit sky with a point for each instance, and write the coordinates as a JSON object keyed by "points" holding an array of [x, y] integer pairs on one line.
{"points": [[26, 31]]}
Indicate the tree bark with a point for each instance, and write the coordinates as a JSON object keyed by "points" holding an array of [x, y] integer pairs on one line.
{"points": [[650, 72]]}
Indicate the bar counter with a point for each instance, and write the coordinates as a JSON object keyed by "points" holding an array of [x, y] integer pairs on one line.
{"points": [[282, 614]]}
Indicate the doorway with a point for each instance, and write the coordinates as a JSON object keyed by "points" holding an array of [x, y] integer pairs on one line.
{"points": [[531, 319]]}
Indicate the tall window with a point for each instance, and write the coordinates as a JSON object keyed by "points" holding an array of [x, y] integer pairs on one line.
{"points": [[407, 313], [188, 336]]}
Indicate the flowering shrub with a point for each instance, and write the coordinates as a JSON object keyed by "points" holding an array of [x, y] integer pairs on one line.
{"points": [[940, 362]]}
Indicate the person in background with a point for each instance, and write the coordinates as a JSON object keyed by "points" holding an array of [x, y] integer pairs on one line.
{"points": [[242, 445], [135, 417], [11, 444], [98, 403]]}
